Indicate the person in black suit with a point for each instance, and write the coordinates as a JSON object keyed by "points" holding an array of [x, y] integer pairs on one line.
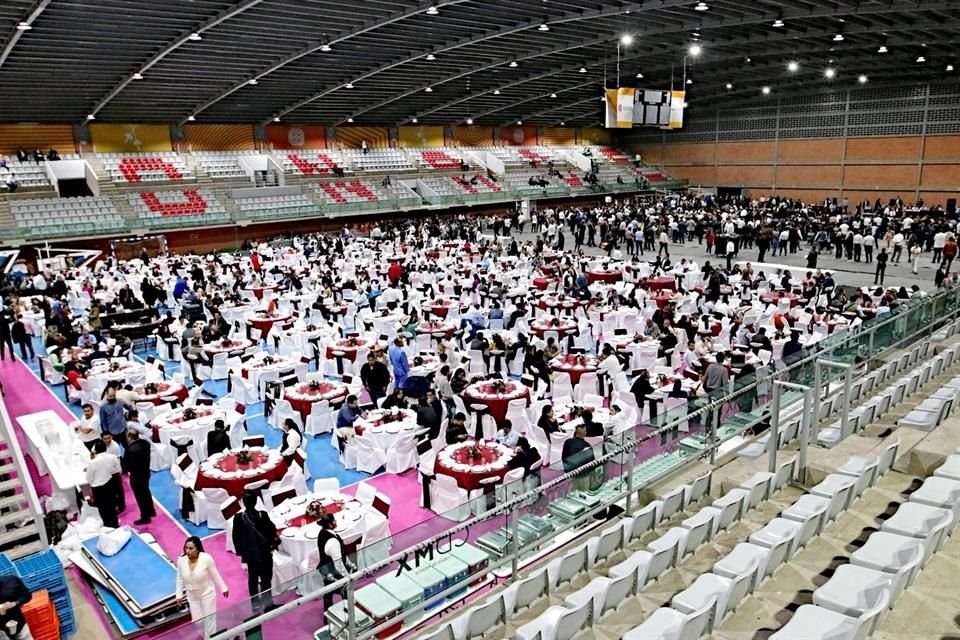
{"points": [[428, 417], [22, 338], [594, 429], [547, 421], [218, 440], [457, 429], [525, 457], [13, 595], [255, 539], [5, 340], [136, 460]]}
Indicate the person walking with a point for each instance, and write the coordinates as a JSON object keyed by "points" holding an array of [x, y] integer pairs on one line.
{"points": [[915, 252], [881, 266], [291, 441], [333, 564], [99, 474], [5, 341], [136, 460], [255, 539], [22, 337], [197, 578], [949, 252]]}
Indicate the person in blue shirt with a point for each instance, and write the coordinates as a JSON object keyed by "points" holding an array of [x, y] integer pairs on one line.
{"points": [[399, 362], [113, 420], [507, 436], [348, 413], [180, 288]]}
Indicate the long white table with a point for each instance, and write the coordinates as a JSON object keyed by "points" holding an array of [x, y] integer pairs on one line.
{"points": [[57, 451]]}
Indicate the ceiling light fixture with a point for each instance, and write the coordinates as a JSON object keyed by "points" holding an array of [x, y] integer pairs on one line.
{"points": [[24, 26], [253, 81], [793, 66], [349, 85], [949, 67], [626, 39], [838, 37], [191, 119], [349, 119], [765, 91], [195, 36], [829, 73], [496, 92], [882, 49], [777, 23], [583, 69], [640, 75], [544, 27], [430, 56], [695, 34], [138, 76], [862, 79], [277, 119], [469, 120], [520, 122], [429, 89], [513, 63], [701, 6], [432, 11], [689, 80], [90, 116], [413, 120], [563, 124], [695, 50], [325, 48], [729, 86], [921, 59]]}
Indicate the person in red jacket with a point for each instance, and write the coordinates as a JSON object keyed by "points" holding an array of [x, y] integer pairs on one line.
{"points": [[949, 252], [395, 272]]}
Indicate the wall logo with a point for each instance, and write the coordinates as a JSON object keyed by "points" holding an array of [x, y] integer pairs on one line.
{"points": [[296, 137]]}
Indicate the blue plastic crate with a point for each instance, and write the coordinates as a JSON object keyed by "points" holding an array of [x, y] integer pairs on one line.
{"points": [[7, 568], [43, 571]]}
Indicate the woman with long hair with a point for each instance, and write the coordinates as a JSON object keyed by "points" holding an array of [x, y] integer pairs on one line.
{"points": [[197, 575]]}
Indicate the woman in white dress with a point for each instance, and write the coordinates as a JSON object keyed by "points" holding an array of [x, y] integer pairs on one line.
{"points": [[197, 574]]}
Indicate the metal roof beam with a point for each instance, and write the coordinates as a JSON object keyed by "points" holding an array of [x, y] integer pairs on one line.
{"points": [[38, 8]]}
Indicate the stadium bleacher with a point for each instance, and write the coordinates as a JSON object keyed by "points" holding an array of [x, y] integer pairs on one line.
{"points": [[81, 215], [164, 208], [145, 167], [222, 164]]}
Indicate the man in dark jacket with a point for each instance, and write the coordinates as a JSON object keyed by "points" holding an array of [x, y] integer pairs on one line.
{"points": [[13, 595], [22, 337], [255, 538], [218, 440], [136, 461], [428, 417], [375, 377], [5, 330]]}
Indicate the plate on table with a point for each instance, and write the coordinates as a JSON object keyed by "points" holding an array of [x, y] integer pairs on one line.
{"points": [[312, 532], [356, 516], [290, 532], [298, 500]]}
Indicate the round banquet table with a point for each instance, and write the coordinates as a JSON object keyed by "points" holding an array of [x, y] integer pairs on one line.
{"points": [[432, 255], [441, 308], [776, 297], [384, 427], [173, 425], [661, 299], [445, 329], [125, 371], [430, 363], [302, 397], [543, 283], [258, 291], [304, 338], [454, 461], [575, 365], [564, 325], [604, 276], [229, 346], [483, 393], [264, 320], [624, 342], [165, 389], [349, 346], [299, 532], [222, 471], [556, 302], [662, 282]]}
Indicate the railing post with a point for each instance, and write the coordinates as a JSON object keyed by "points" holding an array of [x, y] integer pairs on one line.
{"points": [[712, 431], [805, 420], [630, 455], [845, 418], [773, 442], [515, 544], [351, 606], [817, 390]]}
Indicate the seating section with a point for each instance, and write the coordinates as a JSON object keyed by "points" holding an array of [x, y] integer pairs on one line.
{"points": [[265, 203], [67, 215], [614, 156], [438, 159], [313, 162], [29, 175], [170, 207], [222, 164], [145, 167], [380, 160], [351, 191]]}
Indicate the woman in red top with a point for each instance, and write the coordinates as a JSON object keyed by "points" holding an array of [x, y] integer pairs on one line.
{"points": [[711, 237], [395, 272]]}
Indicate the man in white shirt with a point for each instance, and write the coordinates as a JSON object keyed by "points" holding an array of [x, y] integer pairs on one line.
{"points": [[100, 473], [507, 436], [88, 427], [939, 239], [869, 240], [332, 566]]}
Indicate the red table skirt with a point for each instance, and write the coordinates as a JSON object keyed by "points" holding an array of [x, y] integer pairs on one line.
{"points": [[350, 353], [303, 406], [432, 255], [661, 300], [264, 324], [439, 310], [543, 283], [604, 276], [468, 479], [659, 284], [234, 486], [497, 406], [258, 291], [157, 399], [574, 373]]}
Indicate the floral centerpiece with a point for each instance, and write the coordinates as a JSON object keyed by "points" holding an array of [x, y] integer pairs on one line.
{"points": [[417, 361], [554, 322], [637, 338], [311, 327], [244, 456], [353, 342], [226, 342], [662, 379], [474, 452], [267, 361], [499, 386], [189, 413], [315, 510], [114, 366], [151, 388], [393, 416], [576, 411], [314, 385]]}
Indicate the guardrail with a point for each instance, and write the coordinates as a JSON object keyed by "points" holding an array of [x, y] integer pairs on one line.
{"points": [[627, 467]]}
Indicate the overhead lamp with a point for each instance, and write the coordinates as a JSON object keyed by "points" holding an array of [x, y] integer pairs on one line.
{"points": [[626, 39], [544, 27], [429, 89], [701, 6], [277, 119], [765, 91], [695, 50], [563, 124], [583, 69], [469, 120], [90, 116], [349, 119], [793, 66], [430, 56], [432, 11], [253, 81], [777, 23], [829, 73], [729, 86], [191, 118], [24, 26], [882, 49], [194, 36], [640, 75], [689, 80], [413, 120], [748, 60], [496, 92], [325, 48], [519, 122], [349, 85], [921, 59], [949, 67], [838, 37], [137, 76], [695, 34], [862, 79], [513, 63], [553, 95]]}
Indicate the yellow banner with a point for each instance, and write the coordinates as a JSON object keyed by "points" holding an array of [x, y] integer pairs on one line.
{"points": [[120, 138], [677, 102], [416, 136]]}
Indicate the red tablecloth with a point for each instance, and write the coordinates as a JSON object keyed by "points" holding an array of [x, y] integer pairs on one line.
{"points": [[432, 255], [302, 397], [265, 322], [220, 347], [543, 283], [604, 276], [235, 486], [332, 508], [445, 329], [775, 298], [164, 390], [571, 364], [661, 299], [441, 309], [349, 346], [540, 327], [258, 291], [661, 283], [496, 403], [470, 480]]}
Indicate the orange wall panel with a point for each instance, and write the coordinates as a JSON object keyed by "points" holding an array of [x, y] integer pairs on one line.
{"points": [[29, 136], [808, 176], [877, 175], [822, 150], [872, 149], [746, 152], [294, 136], [938, 197], [559, 135], [219, 137], [689, 153], [472, 137], [748, 175], [941, 176], [942, 148], [706, 176]]}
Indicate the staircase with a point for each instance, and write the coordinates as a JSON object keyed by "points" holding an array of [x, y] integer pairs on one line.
{"points": [[19, 532]]}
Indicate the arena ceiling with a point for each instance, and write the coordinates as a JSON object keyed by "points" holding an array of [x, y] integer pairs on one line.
{"points": [[494, 62]]}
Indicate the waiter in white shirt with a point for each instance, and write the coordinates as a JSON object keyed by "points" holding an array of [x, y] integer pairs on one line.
{"points": [[332, 566], [88, 427], [100, 472]]}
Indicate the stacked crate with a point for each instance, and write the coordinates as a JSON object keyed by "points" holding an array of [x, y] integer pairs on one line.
{"points": [[43, 571]]}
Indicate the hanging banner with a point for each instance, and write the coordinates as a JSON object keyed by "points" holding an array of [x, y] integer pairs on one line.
{"points": [[620, 108], [677, 103]]}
